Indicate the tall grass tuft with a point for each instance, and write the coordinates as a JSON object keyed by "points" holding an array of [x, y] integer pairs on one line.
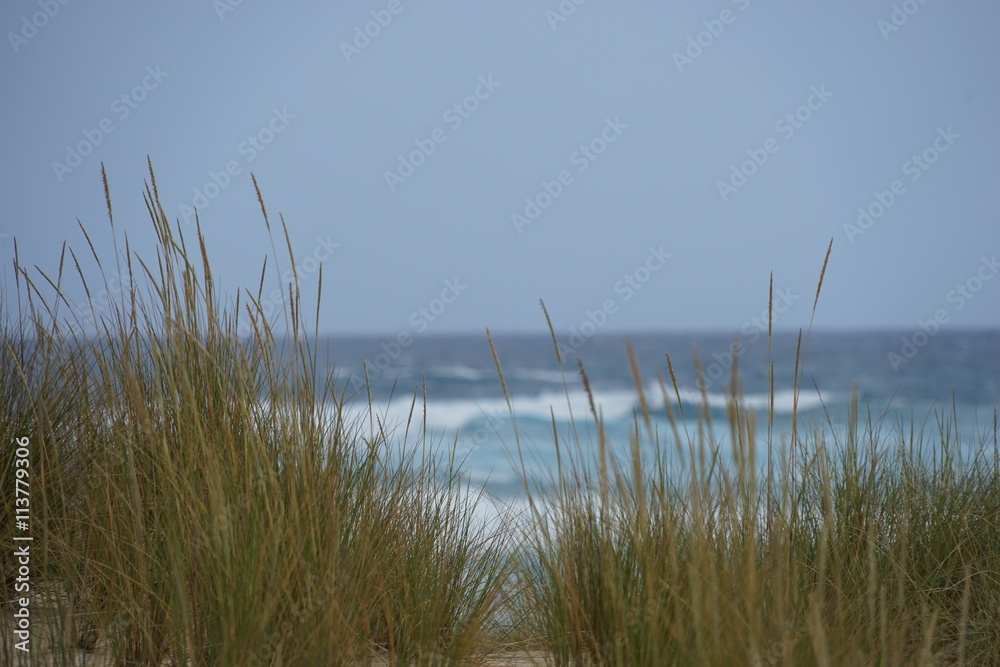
{"points": [[202, 498], [884, 549], [196, 500]]}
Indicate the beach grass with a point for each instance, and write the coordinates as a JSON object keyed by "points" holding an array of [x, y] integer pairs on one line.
{"points": [[883, 549], [194, 500], [204, 498], [794, 548]]}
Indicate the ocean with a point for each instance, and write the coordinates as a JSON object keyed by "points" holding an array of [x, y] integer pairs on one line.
{"points": [[907, 379]]}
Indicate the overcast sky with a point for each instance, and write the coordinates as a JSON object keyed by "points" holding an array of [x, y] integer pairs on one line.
{"points": [[642, 165]]}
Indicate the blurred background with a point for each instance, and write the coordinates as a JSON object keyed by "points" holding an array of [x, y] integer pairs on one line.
{"points": [[525, 150], [642, 167]]}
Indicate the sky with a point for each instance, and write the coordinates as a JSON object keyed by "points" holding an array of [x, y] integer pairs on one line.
{"points": [[638, 165]]}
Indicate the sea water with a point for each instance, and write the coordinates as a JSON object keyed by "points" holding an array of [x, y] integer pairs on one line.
{"points": [[908, 383]]}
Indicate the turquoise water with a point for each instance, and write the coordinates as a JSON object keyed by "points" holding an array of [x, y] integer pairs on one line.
{"points": [[953, 375]]}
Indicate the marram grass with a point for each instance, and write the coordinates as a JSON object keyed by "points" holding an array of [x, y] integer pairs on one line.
{"points": [[195, 503]]}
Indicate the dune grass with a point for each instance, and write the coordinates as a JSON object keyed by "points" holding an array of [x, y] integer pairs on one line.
{"points": [[194, 500], [201, 498], [881, 549]]}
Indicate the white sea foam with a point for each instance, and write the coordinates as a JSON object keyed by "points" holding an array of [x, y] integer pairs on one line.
{"points": [[460, 372], [613, 405], [784, 400], [541, 375]]}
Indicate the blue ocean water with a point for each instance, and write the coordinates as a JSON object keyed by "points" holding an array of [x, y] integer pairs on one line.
{"points": [[903, 377]]}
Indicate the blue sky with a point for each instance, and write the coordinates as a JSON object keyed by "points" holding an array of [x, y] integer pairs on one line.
{"points": [[639, 165]]}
